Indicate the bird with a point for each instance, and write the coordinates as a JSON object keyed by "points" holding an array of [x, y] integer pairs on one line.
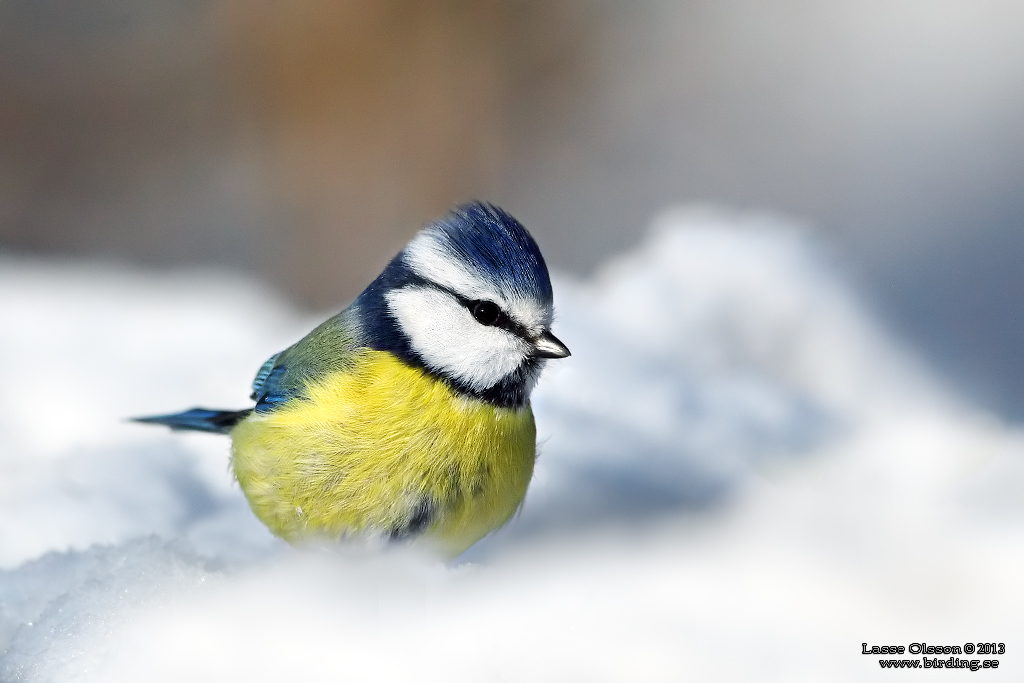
{"points": [[406, 417]]}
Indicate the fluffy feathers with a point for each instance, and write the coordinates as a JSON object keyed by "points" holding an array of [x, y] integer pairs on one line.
{"points": [[407, 414]]}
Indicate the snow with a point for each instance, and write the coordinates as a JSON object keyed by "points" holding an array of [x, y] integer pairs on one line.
{"points": [[741, 477]]}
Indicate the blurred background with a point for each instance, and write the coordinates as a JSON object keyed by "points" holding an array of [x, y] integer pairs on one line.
{"points": [[304, 142], [741, 475]]}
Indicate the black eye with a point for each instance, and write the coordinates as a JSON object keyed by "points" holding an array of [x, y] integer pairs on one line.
{"points": [[486, 312]]}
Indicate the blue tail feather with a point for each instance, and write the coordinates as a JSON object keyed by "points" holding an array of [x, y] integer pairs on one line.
{"points": [[199, 420]]}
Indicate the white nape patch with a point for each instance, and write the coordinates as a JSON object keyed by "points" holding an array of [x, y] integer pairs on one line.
{"points": [[451, 341], [429, 256]]}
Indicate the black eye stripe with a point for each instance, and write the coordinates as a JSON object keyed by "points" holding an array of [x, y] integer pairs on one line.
{"points": [[504, 321], [491, 314]]}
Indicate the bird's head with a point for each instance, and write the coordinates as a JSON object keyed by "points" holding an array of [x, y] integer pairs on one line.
{"points": [[469, 300]]}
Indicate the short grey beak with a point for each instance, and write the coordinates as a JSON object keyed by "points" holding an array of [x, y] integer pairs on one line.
{"points": [[548, 346]]}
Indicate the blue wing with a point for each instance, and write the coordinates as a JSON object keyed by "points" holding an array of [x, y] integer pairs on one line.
{"points": [[261, 377]]}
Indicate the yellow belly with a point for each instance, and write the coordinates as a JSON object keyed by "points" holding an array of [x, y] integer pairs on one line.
{"points": [[365, 448]]}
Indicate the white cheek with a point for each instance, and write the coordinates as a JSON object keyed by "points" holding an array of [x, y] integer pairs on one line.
{"points": [[451, 342]]}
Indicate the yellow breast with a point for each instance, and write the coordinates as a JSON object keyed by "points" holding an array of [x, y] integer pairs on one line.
{"points": [[384, 448]]}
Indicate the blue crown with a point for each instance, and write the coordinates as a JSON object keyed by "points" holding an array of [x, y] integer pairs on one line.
{"points": [[496, 245]]}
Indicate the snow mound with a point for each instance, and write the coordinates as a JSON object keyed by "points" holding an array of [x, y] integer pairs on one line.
{"points": [[718, 345], [741, 478]]}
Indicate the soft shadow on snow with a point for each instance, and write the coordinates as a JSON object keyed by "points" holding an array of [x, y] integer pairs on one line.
{"points": [[740, 478]]}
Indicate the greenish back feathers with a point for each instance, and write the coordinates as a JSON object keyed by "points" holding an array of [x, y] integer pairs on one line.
{"points": [[328, 348]]}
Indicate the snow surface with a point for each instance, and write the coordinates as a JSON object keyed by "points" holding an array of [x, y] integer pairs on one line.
{"points": [[741, 478]]}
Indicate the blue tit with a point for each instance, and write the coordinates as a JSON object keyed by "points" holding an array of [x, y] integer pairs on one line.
{"points": [[407, 415]]}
